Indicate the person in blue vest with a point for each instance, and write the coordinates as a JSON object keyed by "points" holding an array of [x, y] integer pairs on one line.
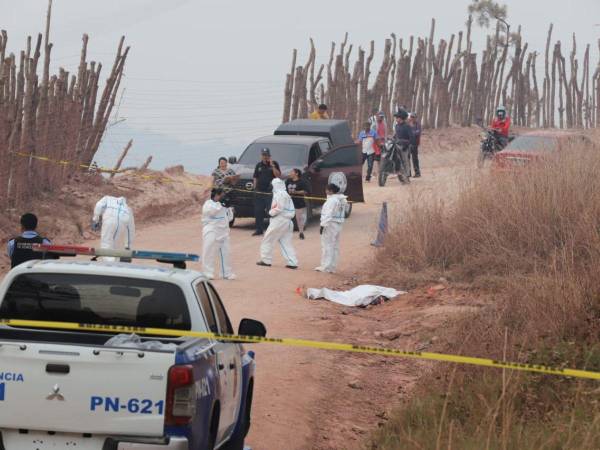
{"points": [[19, 248]]}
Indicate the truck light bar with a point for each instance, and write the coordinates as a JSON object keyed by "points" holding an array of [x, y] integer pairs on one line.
{"points": [[137, 254], [64, 249]]}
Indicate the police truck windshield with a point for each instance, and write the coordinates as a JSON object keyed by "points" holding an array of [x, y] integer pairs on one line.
{"points": [[293, 155], [105, 300]]}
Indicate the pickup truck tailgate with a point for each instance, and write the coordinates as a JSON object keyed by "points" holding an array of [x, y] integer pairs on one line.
{"points": [[83, 389]]}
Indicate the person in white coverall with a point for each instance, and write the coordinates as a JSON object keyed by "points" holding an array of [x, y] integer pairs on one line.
{"points": [[333, 215], [215, 236], [280, 228], [118, 227]]}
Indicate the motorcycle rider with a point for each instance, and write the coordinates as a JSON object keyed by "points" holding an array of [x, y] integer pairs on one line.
{"points": [[501, 126], [405, 136]]}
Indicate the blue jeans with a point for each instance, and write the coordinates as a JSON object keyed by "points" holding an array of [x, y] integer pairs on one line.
{"points": [[369, 159]]}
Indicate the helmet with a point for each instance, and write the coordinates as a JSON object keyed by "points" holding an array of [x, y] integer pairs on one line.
{"points": [[402, 114], [501, 110]]}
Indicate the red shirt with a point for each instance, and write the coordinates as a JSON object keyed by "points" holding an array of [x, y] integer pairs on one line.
{"points": [[501, 125], [381, 133]]}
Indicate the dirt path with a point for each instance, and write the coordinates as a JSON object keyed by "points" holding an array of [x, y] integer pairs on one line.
{"points": [[310, 399]]}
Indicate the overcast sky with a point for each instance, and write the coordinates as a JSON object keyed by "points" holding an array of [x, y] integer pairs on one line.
{"points": [[209, 75]]}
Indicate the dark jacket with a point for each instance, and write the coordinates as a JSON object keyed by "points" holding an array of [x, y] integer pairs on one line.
{"points": [[404, 133], [417, 132], [20, 248]]}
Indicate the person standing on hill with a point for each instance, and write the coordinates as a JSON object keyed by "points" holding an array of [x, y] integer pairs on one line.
{"points": [[297, 188], [19, 249], [414, 149], [320, 114], [265, 171], [223, 175], [367, 139]]}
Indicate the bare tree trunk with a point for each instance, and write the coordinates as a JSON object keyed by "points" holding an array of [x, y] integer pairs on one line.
{"points": [[121, 158], [289, 89], [297, 97], [536, 92], [364, 85], [146, 164], [552, 109], [445, 85], [548, 98]]}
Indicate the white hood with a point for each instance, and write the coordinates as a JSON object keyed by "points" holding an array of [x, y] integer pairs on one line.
{"points": [[278, 185], [282, 206]]}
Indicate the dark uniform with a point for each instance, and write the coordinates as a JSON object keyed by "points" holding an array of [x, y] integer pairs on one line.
{"points": [[262, 202], [414, 152], [405, 134], [20, 248]]}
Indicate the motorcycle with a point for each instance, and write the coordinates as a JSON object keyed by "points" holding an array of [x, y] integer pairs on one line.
{"points": [[491, 143], [394, 160]]}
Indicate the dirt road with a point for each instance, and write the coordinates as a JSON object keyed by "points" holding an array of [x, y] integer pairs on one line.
{"points": [[310, 399]]}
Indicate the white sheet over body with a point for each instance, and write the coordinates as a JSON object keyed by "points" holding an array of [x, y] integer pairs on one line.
{"points": [[361, 295]]}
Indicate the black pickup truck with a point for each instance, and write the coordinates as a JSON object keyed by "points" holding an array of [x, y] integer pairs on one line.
{"points": [[317, 147]]}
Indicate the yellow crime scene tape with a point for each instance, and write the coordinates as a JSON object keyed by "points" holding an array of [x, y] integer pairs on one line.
{"points": [[159, 178], [292, 342]]}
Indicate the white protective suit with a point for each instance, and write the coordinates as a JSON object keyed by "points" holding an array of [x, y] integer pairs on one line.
{"points": [[118, 227], [333, 215], [215, 239], [280, 226]]}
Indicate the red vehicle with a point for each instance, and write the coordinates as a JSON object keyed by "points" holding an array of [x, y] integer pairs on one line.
{"points": [[535, 145]]}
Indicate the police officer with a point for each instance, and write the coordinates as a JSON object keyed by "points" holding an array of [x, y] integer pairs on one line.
{"points": [[264, 172], [405, 136], [19, 248]]}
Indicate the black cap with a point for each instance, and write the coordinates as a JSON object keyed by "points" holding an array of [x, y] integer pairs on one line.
{"points": [[265, 151], [402, 114]]}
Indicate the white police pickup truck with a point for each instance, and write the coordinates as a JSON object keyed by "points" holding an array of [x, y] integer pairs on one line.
{"points": [[84, 389]]}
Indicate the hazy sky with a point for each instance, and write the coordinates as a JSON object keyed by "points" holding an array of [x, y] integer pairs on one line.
{"points": [[209, 75]]}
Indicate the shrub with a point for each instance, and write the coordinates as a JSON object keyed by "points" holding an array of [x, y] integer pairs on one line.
{"points": [[536, 233]]}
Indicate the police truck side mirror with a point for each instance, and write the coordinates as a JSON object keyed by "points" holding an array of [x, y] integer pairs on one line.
{"points": [[232, 160], [250, 327]]}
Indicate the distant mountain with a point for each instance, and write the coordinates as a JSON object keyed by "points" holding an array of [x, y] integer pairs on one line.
{"points": [[166, 150]]}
